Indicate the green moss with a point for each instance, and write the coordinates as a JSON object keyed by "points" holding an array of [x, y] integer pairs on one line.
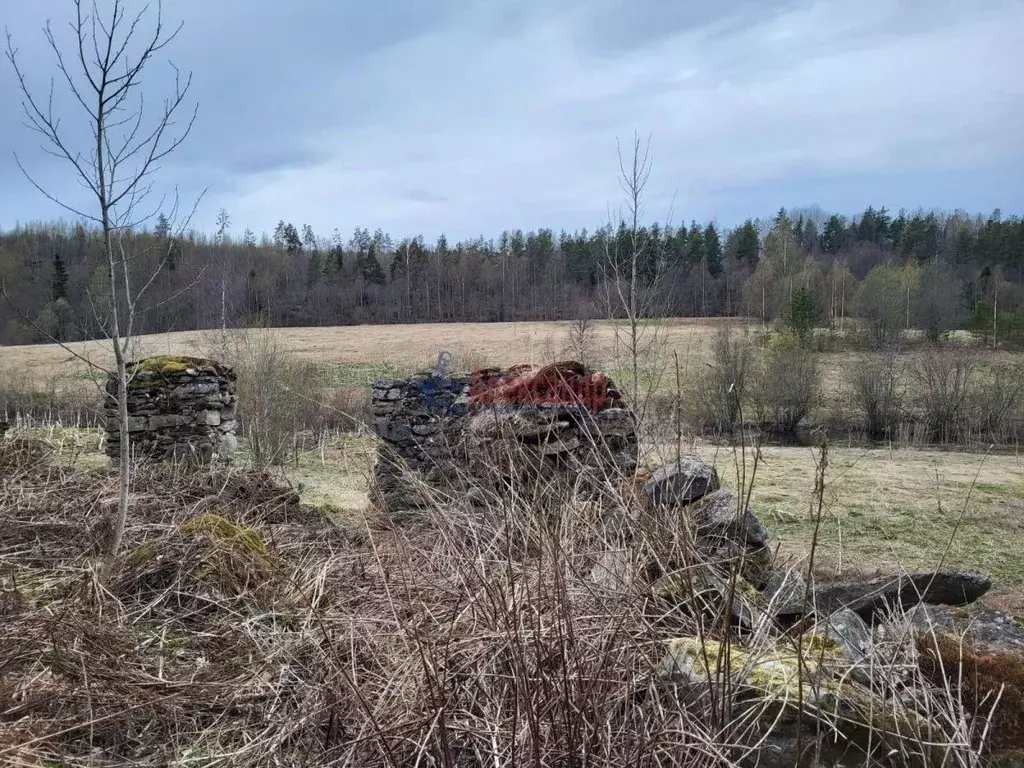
{"points": [[222, 529], [817, 644], [143, 553], [776, 671], [169, 364]]}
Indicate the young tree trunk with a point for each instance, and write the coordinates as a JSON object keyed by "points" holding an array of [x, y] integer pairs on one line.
{"points": [[116, 171]]}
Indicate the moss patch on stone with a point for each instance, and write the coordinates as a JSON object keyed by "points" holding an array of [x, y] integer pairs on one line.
{"points": [[169, 364]]}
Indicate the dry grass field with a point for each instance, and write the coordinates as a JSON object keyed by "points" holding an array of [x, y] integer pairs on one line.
{"points": [[242, 632], [400, 345], [353, 356], [884, 508]]}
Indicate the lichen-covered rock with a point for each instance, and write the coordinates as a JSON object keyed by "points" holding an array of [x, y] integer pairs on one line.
{"points": [[701, 591], [797, 696], [179, 408], [682, 481]]}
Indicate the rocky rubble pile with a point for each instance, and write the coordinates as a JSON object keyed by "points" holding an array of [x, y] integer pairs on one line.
{"points": [[478, 430], [844, 650], [179, 408]]}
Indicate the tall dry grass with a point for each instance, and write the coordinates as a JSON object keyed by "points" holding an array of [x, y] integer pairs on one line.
{"points": [[243, 629]]}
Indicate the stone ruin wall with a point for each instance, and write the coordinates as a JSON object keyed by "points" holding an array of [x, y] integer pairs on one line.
{"points": [[470, 431], [179, 408]]}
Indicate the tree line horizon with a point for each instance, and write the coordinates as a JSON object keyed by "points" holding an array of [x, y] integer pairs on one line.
{"points": [[934, 271]]}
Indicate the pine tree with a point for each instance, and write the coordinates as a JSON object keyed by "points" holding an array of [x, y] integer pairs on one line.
{"points": [[59, 282], [369, 266], [163, 227], [292, 241], [713, 250], [834, 236], [223, 225], [748, 246]]}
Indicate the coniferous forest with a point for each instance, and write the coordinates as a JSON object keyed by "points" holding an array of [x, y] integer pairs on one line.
{"points": [[927, 270]]}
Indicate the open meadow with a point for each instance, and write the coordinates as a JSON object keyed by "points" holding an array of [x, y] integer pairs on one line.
{"points": [[352, 357], [271, 608]]}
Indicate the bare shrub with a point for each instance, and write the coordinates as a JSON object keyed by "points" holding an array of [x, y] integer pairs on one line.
{"points": [[581, 341], [246, 629], [877, 382], [24, 398], [279, 397], [718, 388], [944, 376], [786, 385], [997, 400]]}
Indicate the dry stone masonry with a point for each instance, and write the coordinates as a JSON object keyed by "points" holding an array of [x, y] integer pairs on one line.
{"points": [[474, 430], [179, 408]]}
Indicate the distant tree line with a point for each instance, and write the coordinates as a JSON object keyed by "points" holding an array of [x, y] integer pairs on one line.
{"points": [[926, 270]]}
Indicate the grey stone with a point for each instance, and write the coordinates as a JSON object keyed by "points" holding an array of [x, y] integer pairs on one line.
{"points": [[196, 389], [720, 513], [167, 420], [850, 632], [682, 481], [212, 418], [393, 394], [384, 408], [785, 592], [755, 564], [870, 599], [228, 444], [983, 628]]}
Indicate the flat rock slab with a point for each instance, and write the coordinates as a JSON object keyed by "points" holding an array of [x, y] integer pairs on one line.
{"points": [[682, 482], [870, 599], [985, 629]]}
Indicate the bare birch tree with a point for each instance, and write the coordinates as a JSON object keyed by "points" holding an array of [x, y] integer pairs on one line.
{"points": [[103, 71], [633, 279]]}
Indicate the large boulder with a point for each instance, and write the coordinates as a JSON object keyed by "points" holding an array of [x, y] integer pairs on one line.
{"points": [[682, 481], [721, 514], [872, 599], [729, 534]]}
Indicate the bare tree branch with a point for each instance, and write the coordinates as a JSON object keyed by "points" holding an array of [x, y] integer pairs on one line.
{"points": [[118, 141]]}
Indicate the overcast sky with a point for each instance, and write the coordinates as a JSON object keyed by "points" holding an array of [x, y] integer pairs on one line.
{"points": [[472, 116]]}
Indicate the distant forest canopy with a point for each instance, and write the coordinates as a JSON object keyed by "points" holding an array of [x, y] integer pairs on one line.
{"points": [[932, 271]]}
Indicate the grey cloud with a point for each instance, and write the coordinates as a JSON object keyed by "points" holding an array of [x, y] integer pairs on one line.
{"points": [[474, 115], [425, 196]]}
